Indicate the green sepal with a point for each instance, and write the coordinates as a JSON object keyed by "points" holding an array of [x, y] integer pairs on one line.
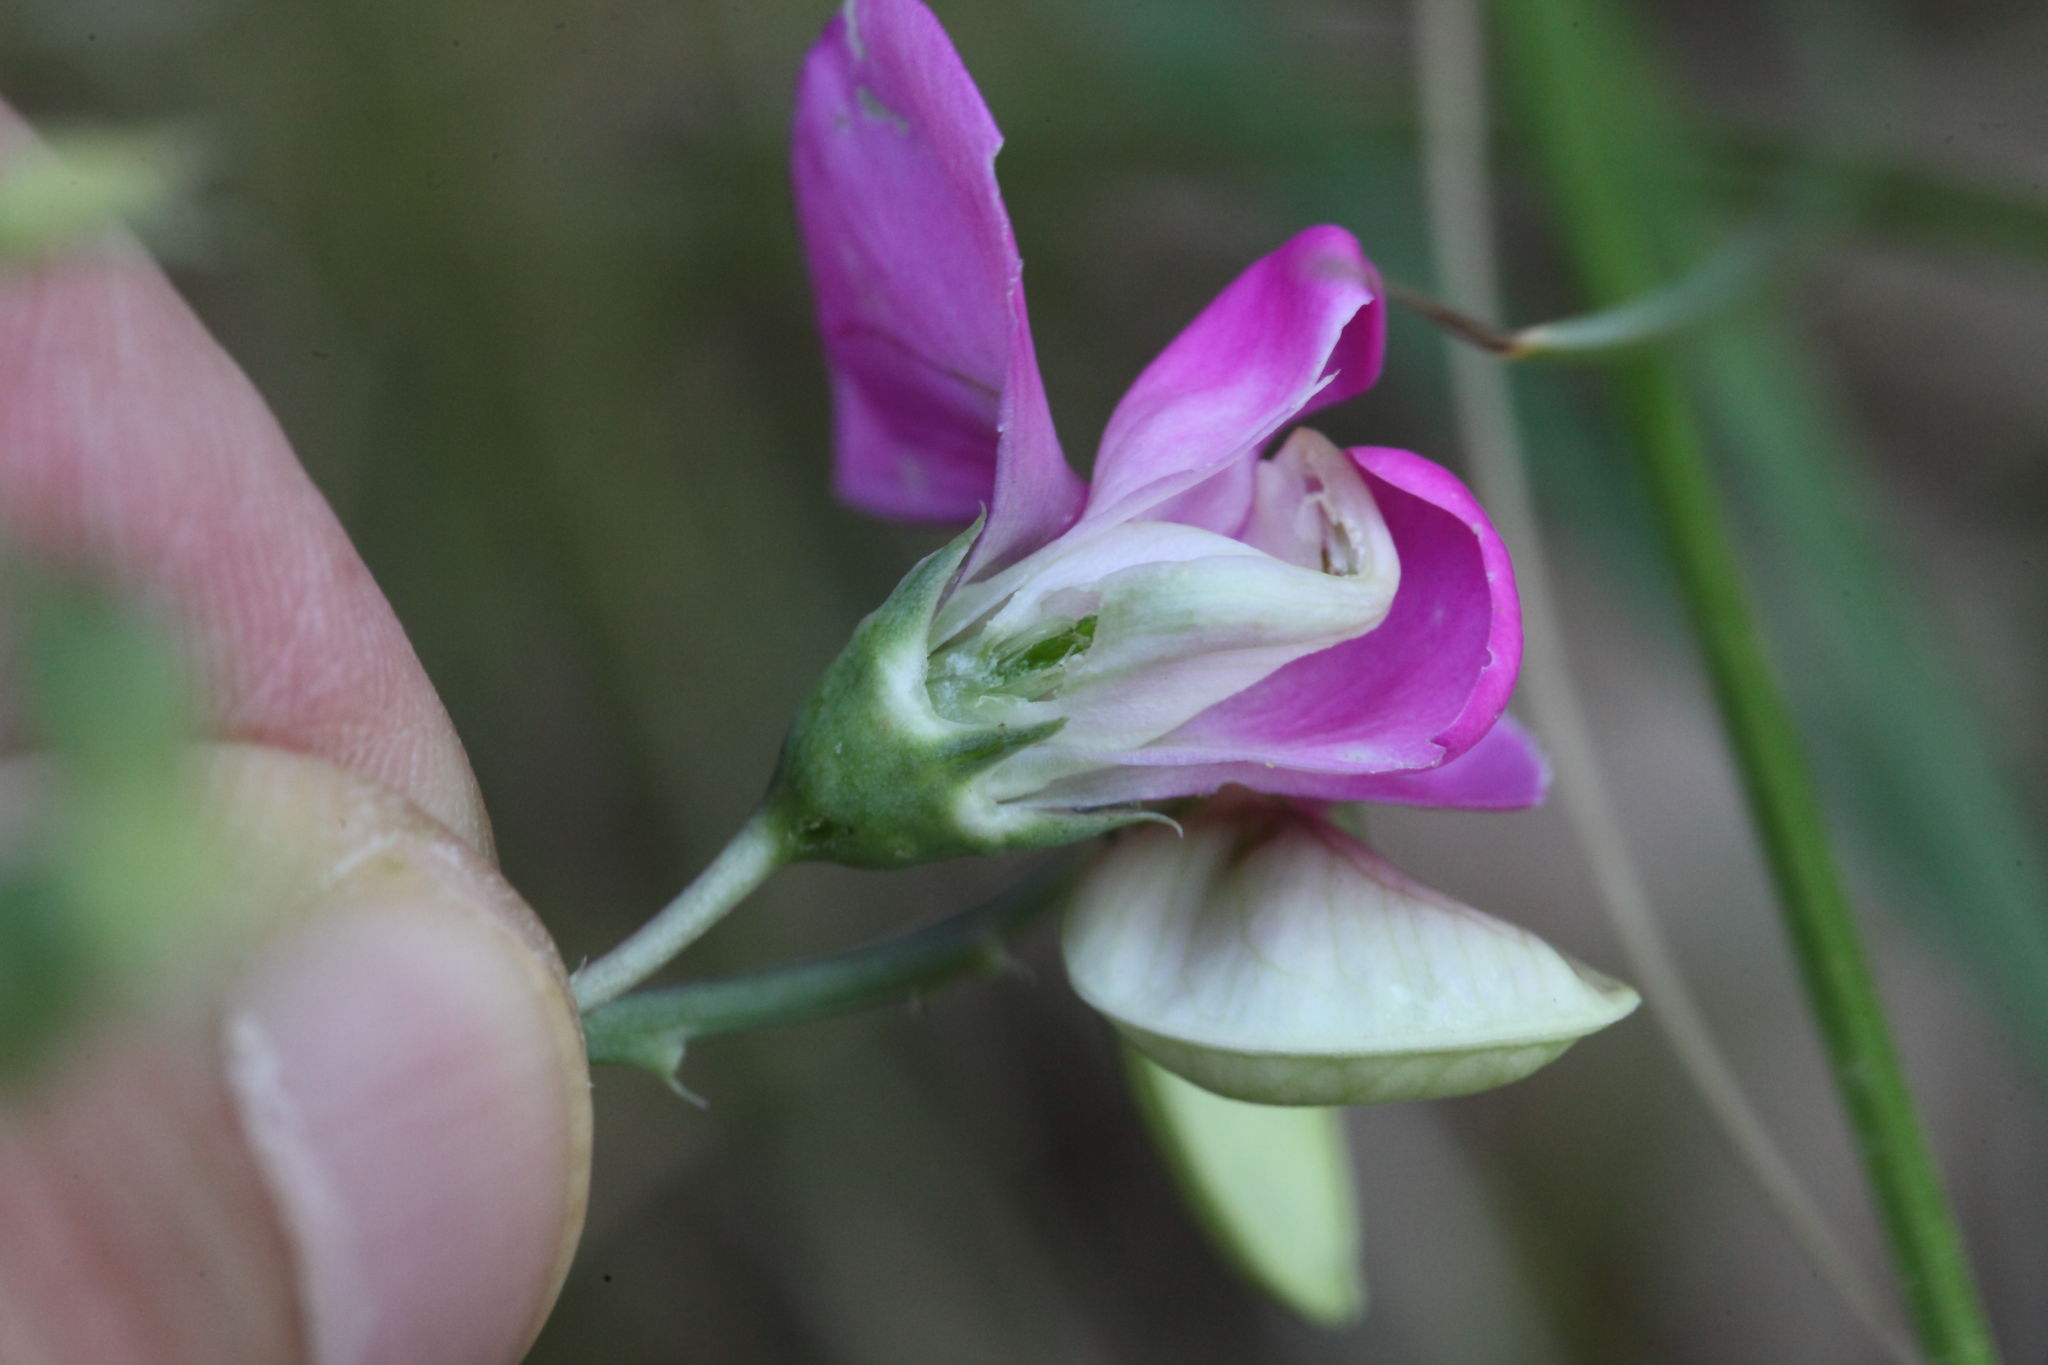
{"points": [[976, 751], [873, 776]]}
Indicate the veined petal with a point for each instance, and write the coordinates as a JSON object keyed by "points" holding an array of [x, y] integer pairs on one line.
{"points": [[1416, 692], [1268, 956], [939, 408], [1302, 328]]}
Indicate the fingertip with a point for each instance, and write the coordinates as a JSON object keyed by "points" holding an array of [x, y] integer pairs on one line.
{"points": [[409, 1078]]}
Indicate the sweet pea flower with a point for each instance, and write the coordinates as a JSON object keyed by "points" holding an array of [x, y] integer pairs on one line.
{"points": [[1320, 622]]}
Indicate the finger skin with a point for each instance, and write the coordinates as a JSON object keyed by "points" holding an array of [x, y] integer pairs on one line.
{"points": [[131, 445], [342, 1118], [138, 1228], [216, 1171]]}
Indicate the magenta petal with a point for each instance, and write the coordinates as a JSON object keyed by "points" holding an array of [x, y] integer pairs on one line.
{"points": [[1414, 693], [939, 408], [1303, 328], [1505, 770]]}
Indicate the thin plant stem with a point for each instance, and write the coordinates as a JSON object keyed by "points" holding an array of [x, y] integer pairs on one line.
{"points": [[1608, 229], [1723, 279], [741, 866], [1451, 57], [1710, 288], [650, 1027], [1453, 321]]}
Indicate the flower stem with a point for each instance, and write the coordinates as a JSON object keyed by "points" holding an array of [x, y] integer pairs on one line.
{"points": [[741, 866], [651, 1025], [1450, 54], [1570, 52]]}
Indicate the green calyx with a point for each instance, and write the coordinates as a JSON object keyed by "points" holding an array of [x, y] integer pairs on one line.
{"points": [[873, 775]]}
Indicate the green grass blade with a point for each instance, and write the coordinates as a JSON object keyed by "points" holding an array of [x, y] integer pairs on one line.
{"points": [[1594, 99]]}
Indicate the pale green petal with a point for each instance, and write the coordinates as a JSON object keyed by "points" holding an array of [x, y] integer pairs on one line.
{"points": [[1273, 1186]]}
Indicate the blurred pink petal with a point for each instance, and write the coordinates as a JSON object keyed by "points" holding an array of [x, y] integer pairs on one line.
{"points": [[939, 407]]}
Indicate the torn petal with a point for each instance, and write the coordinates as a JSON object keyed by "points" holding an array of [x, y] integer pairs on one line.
{"points": [[939, 409]]}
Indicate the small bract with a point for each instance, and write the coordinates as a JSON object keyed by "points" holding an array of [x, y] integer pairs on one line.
{"points": [[1269, 956]]}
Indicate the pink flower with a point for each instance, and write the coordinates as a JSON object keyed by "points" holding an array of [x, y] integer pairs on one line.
{"points": [[1323, 623]]}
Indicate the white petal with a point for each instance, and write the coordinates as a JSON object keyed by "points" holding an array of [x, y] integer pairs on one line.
{"points": [[1075, 562], [1172, 640], [1183, 619], [1276, 960], [1311, 507]]}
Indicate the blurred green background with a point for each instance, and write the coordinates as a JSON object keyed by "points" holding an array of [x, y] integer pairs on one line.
{"points": [[520, 277]]}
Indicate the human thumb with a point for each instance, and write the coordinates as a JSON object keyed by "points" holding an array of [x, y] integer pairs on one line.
{"points": [[347, 1122]]}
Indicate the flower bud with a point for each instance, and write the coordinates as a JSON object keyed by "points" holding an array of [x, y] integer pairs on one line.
{"points": [[1270, 957]]}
